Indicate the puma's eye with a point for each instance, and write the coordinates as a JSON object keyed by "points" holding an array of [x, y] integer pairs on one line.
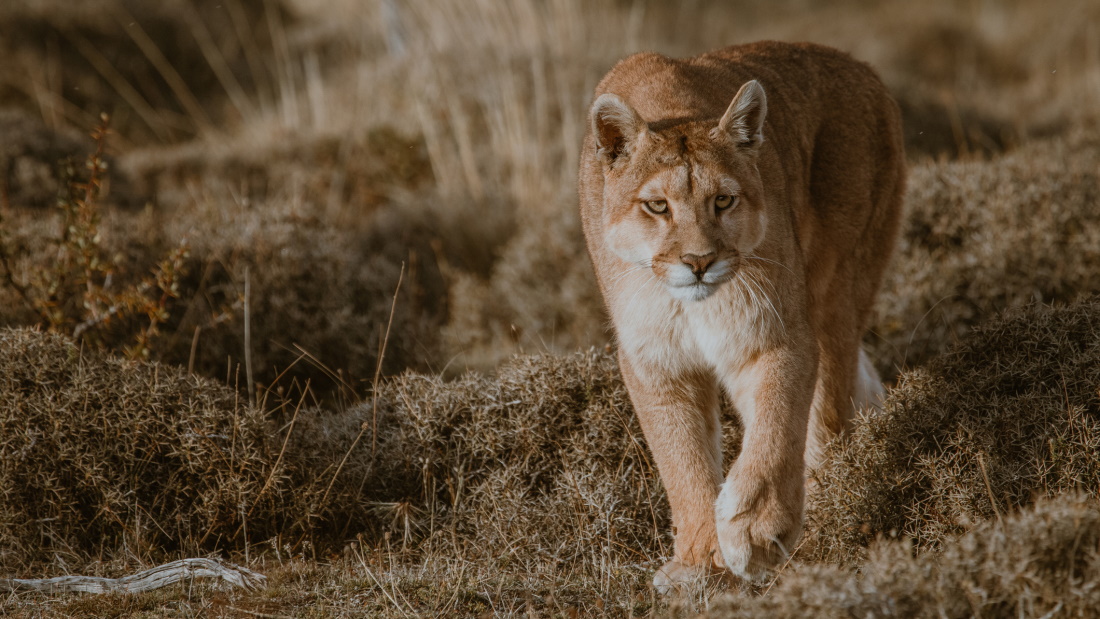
{"points": [[724, 202], [657, 207]]}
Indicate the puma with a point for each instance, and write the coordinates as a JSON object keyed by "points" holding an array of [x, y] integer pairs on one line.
{"points": [[740, 208]]}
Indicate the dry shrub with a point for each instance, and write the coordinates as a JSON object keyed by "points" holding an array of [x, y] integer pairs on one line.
{"points": [[540, 295], [941, 71], [941, 128], [946, 54], [1010, 414], [314, 288], [546, 457], [68, 280], [106, 456], [1042, 562], [984, 236], [322, 284]]}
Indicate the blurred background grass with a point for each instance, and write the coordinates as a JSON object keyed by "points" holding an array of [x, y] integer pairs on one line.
{"points": [[321, 145]]}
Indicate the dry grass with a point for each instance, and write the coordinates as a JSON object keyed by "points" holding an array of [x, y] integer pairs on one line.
{"points": [[1041, 562], [533, 492], [325, 147], [984, 236], [115, 459], [165, 71], [1010, 414], [391, 135]]}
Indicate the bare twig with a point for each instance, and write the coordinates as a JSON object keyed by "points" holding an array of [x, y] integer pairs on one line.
{"points": [[248, 338], [282, 451], [374, 405], [378, 366], [155, 578], [988, 487], [194, 348]]}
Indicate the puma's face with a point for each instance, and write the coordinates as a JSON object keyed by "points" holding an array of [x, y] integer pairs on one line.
{"points": [[688, 206], [686, 200]]}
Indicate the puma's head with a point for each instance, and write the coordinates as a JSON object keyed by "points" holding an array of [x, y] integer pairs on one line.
{"points": [[683, 197]]}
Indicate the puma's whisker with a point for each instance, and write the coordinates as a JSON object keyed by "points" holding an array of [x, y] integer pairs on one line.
{"points": [[775, 262]]}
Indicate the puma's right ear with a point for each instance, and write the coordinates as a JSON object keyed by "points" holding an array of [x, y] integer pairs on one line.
{"points": [[615, 125], [744, 119]]}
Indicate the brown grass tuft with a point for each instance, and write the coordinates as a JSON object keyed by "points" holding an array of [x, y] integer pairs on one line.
{"points": [[1042, 562], [107, 456], [547, 457], [984, 236], [1010, 414], [316, 289]]}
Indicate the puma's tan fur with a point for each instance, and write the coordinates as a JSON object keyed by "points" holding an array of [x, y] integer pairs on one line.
{"points": [[740, 208]]}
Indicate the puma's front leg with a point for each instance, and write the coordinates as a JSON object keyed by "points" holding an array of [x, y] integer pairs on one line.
{"points": [[758, 513], [679, 416]]}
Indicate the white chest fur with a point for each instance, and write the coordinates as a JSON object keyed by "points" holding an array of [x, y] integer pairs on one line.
{"points": [[664, 335]]}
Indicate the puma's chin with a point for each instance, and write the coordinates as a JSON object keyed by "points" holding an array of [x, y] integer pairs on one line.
{"points": [[692, 292]]}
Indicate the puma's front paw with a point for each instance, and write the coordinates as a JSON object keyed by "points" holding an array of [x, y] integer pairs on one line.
{"points": [[675, 576], [758, 523], [678, 577]]}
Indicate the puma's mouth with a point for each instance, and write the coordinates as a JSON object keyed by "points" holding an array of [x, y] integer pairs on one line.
{"points": [[685, 285]]}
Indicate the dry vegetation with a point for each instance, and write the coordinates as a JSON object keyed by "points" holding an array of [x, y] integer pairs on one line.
{"points": [[338, 159], [1040, 562]]}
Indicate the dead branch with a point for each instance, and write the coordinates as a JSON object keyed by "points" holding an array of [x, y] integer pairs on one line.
{"points": [[154, 578]]}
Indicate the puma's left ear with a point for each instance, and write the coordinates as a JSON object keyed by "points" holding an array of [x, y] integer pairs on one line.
{"points": [[744, 119]]}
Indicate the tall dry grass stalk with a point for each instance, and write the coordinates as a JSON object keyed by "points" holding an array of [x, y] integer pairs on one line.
{"points": [[502, 112]]}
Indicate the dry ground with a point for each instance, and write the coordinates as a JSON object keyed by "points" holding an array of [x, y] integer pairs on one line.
{"points": [[277, 316]]}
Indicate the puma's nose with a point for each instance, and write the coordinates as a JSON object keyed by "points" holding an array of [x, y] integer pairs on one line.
{"points": [[699, 264]]}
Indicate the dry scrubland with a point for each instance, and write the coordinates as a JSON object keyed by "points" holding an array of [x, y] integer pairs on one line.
{"points": [[348, 162]]}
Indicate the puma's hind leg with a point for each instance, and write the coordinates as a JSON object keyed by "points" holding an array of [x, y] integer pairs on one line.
{"points": [[870, 393], [847, 383], [838, 376]]}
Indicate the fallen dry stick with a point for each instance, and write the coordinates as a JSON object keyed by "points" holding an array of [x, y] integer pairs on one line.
{"points": [[154, 578]]}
